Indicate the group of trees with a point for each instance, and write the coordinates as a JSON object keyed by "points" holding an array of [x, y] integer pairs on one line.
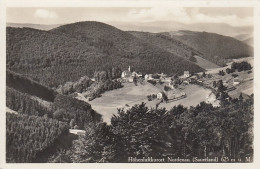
{"points": [[97, 88], [26, 136], [79, 86], [201, 131], [242, 66], [151, 97], [113, 73], [221, 73]]}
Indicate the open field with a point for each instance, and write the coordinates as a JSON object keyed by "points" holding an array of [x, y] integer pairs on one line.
{"points": [[130, 94], [195, 95]]}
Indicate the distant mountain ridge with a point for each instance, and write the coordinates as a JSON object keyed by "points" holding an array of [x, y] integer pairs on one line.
{"points": [[159, 26], [168, 26], [34, 26]]}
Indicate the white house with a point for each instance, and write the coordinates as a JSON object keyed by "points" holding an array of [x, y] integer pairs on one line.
{"points": [[160, 95], [236, 81], [186, 74], [136, 74], [126, 73], [148, 77]]}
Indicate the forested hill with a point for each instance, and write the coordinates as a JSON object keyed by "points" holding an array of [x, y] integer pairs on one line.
{"points": [[215, 47], [167, 43], [72, 51], [141, 53]]}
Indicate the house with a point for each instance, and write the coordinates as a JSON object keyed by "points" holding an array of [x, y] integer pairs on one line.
{"points": [[136, 74], [179, 95], [186, 74], [160, 95], [236, 81], [126, 73], [171, 85], [167, 79], [148, 77], [162, 75], [186, 82]]}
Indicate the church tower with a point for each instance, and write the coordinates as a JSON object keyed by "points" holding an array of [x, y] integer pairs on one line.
{"points": [[129, 69]]}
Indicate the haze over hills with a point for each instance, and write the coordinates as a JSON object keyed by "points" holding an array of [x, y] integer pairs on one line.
{"points": [[249, 41], [167, 26], [71, 51], [161, 26], [214, 47], [243, 37], [34, 26]]}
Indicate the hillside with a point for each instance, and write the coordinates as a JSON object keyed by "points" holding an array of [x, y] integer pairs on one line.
{"points": [[49, 58], [71, 51], [214, 47], [249, 41], [243, 37], [165, 42], [174, 46], [144, 56]]}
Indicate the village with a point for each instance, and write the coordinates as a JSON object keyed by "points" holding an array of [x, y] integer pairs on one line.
{"points": [[161, 90]]}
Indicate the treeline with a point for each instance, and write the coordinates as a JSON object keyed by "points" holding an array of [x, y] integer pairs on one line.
{"points": [[26, 136], [97, 88], [79, 86], [24, 104], [201, 131], [29, 86], [85, 83]]}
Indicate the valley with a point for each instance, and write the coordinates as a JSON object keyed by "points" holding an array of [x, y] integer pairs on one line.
{"points": [[91, 92]]}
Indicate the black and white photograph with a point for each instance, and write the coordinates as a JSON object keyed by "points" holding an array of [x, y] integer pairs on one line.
{"points": [[137, 84]]}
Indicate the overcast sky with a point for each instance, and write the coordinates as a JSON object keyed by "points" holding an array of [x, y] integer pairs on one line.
{"points": [[233, 16]]}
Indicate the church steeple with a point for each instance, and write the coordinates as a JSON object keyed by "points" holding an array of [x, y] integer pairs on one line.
{"points": [[129, 68]]}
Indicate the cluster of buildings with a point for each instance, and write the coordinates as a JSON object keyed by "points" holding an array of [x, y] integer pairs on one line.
{"points": [[128, 76]]}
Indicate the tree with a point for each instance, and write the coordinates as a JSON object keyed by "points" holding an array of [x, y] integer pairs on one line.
{"points": [[241, 97], [228, 70], [221, 73], [220, 86], [204, 74], [135, 80], [214, 84], [72, 123], [164, 97]]}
